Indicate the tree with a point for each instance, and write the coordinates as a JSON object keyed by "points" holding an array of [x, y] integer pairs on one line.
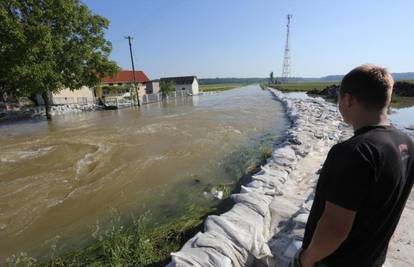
{"points": [[166, 88], [272, 79], [48, 45]]}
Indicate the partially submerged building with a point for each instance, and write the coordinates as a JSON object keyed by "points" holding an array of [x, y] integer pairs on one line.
{"points": [[152, 87], [122, 82], [82, 96], [184, 84]]}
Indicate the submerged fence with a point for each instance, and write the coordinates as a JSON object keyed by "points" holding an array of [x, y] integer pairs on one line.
{"points": [[151, 98]]}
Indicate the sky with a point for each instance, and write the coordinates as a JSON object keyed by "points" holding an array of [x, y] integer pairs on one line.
{"points": [[246, 38]]}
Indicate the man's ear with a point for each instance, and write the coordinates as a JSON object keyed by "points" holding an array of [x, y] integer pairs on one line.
{"points": [[349, 100]]}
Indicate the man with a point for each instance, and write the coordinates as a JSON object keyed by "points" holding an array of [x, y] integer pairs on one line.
{"points": [[365, 181]]}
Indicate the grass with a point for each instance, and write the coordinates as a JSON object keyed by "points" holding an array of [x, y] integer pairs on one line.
{"points": [[220, 86], [301, 87]]}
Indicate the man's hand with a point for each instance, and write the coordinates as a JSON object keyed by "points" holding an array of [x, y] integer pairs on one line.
{"points": [[332, 229]]}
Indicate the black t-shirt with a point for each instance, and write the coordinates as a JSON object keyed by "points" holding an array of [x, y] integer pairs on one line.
{"points": [[372, 173]]}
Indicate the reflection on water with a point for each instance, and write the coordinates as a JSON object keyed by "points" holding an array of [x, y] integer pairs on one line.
{"points": [[402, 112], [59, 178]]}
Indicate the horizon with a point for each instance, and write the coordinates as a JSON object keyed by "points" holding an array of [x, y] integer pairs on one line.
{"points": [[246, 39]]}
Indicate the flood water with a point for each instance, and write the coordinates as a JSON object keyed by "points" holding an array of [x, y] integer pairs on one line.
{"points": [[59, 179]]}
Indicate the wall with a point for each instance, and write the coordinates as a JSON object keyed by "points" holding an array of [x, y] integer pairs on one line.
{"points": [[187, 88], [196, 90], [152, 87], [66, 96]]}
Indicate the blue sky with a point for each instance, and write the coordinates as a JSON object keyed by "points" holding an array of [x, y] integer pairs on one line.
{"points": [[245, 38]]}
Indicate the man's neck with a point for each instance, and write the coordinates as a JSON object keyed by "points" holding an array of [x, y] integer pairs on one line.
{"points": [[371, 119]]}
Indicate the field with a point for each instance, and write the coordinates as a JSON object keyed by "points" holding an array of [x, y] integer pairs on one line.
{"points": [[220, 86], [302, 87]]}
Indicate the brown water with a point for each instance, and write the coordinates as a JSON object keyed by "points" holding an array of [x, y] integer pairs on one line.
{"points": [[59, 179]]}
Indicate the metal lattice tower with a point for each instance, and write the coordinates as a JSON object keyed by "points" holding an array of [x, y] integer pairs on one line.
{"points": [[286, 59]]}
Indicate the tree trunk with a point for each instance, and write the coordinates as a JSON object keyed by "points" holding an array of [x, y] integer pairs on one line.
{"points": [[46, 100]]}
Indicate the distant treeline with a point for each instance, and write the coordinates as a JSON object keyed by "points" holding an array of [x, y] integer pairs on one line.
{"points": [[231, 80], [329, 78], [396, 76]]}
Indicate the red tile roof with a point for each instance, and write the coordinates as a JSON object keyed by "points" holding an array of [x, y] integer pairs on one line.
{"points": [[126, 76]]}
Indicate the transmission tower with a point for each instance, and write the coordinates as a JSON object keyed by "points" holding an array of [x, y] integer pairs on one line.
{"points": [[286, 58]]}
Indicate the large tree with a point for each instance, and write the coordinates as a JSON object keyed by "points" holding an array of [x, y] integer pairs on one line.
{"points": [[49, 45]]}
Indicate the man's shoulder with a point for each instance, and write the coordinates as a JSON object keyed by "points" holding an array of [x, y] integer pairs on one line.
{"points": [[348, 146], [372, 142]]}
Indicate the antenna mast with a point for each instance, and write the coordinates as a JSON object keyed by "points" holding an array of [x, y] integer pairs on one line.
{"points": [[286, 70]]}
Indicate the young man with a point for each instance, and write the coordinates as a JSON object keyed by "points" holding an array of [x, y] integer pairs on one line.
{"points": [[365, 181]]}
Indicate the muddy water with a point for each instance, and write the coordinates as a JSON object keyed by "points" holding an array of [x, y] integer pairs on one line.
{"points": [[59, 179]]}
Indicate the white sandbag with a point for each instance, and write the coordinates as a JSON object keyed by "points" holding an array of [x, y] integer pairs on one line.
{"points": [[257, 202]]}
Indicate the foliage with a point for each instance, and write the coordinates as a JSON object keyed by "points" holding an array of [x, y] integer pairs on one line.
{"points": [[22, 260], [115, 89], [166, 88], [48, 45], [263, 86], [140, 244]]}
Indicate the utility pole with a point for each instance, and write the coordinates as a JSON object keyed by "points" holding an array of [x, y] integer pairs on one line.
{"points": [[133, 68], [286, 70]]}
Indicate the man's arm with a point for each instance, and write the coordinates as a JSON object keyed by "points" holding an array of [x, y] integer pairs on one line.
{"points": [[332, 229]]}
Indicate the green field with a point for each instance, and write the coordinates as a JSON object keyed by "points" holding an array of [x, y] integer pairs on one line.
{"points": [[301, 87], [220, 86]]}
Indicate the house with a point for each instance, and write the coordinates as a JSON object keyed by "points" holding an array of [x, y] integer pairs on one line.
{"points": [[124, 79], [187, 84], [84, 95], [152, 87]]}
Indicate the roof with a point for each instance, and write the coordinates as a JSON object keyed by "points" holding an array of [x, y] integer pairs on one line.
{"points": [[179, 80], [126, 76]]}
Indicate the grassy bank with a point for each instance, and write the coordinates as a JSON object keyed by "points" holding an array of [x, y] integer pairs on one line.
{"points": [[301, 87], [220, 86]]}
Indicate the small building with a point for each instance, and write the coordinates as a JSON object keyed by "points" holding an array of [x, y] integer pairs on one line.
{"points": [[152, 87], [187, 84], [84, 95], [124, 79]]}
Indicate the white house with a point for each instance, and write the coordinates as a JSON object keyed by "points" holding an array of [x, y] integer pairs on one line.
{"points": [[66, 96], [188, 84]]}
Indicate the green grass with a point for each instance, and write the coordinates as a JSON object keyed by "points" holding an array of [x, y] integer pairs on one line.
{"points": [[301, 87], [220, 86]]}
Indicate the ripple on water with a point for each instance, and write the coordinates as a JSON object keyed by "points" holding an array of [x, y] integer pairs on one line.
{"points": [[91, 160], [19, 155]]}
